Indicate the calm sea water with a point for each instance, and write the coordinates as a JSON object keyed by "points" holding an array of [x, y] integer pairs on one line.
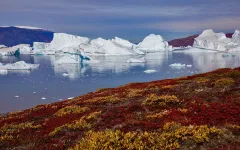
{"points": [[24, 89]]}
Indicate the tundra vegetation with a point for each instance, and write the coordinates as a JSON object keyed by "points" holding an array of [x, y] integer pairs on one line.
{"points": [[194, 112]]}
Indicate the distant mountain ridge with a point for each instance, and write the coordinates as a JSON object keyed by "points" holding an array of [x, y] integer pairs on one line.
{"points": [[11, 36], [188, 41]]}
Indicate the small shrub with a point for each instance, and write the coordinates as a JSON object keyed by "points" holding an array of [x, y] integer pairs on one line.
{"points": [[224, 82], [162, 100], [134, 93], [201, 80], [85, 122], [71, 110], [172, 136]]}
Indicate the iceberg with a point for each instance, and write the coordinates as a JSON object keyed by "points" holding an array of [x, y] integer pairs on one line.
{"points": [[25, 49], [66, 42], [40, 48], [137, 60], [150, 71], [115, 46], [153, 43], [3, 71], [20, 65], [2, 46], [9, 51], [215, 41]]}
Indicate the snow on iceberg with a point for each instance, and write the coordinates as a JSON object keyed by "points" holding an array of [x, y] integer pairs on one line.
{"points": [[20, 65], [153, 43], [150, 71], [137, 60]]}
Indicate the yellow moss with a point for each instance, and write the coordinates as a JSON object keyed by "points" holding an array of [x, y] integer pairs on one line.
{"points": [[162, 100], [170, 138], [183, 110], [83, 123], [158, 115], [224, 82], [134, 93], [107, 99], [71, 110], [168, 86], [15, 127], [201, 80]]}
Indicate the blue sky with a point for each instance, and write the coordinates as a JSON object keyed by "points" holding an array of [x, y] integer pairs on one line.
{"points": [[129, 19]]}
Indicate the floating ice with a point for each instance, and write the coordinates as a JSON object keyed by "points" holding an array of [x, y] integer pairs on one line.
{"points": [[150, 71], [177, 65], [20, 65], [71, 98], [43, 98]]}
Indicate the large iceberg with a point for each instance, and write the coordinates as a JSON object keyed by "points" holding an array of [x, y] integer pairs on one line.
{"points": [[20, 65], [153, 43], [40, 48], [66, 42], [215, 41]]}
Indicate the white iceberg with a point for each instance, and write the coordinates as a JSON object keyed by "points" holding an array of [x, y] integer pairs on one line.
{"points": [[153, 43], [217, 41], [9, 51], [65, 42], [20, 65], [137, 60], [150, 71], [41, 48], [3, 46], [25, 49], [115, 46]]}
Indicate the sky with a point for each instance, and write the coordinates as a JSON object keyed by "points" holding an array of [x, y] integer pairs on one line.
{"points": [[128, 19]]}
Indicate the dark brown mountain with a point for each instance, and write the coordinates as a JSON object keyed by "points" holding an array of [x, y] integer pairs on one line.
{"points": [[11, 36], [188, 41]]}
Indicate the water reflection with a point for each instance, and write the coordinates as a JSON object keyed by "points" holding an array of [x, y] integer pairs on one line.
{"points": [[56, 81]]}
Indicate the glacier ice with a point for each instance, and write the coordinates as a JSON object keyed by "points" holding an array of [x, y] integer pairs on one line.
{"points": [[20, 65]]}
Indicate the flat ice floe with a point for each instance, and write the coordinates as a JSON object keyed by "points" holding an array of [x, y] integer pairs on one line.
{"points": [[179, 66], [20, 65], [150, 71]]}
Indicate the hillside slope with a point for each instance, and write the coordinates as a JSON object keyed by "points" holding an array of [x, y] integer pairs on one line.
{"points": [[11, 36], [195, 112]]}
